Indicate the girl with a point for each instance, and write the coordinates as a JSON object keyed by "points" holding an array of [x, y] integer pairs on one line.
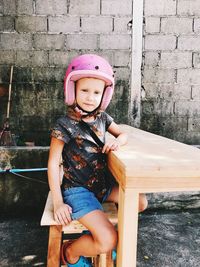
{"points": [[88, 87]]}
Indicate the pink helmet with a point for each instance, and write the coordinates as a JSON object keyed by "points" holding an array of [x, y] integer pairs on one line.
{"points": [[89, 66]]}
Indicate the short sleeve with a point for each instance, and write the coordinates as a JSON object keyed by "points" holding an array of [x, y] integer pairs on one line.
{"points": [[60, 132], [108, 120]]}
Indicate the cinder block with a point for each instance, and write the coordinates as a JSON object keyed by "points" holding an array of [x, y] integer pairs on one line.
{"points": [[122, 73], [82, 41], [176, 25], [182, 91], [64, 24], [191, 42], [196, 60], [152, 24], [89, 7], [188, 76], [42, 105], [113, 7], [197, 25], [49, 41], [26, 90], [176, 60], [156, 90], [31, 24], [9, 7], [122, 58], [115, 41], [160, 8], [50, 90], [163, 107], [151, 59], [96, 24], [193, 123], [25, 7], [187, 108], [7, 57], [170, 91], [59, 58], [172, 125], [22, 75], [160, 42], [24, 108], [187, 137], [6, 23], [189, 8], [147, 108], [32, 58], [63, 58], [108, 55], [196, 92], [51, 7], [157, 75], [122, 24], [16, 41], [49, 74]]}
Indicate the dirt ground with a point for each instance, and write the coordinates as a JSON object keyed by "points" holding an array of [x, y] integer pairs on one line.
{"points": [[166, 239]]}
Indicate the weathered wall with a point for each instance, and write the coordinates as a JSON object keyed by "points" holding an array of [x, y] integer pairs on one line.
{"points": [[23, 192], [171, 74], [40, 37]]}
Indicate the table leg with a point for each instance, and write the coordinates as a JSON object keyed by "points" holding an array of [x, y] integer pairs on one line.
{"points": [[127, 227]]}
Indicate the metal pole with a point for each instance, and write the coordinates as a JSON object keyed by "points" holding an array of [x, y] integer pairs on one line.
{"points": [[23, 170]]}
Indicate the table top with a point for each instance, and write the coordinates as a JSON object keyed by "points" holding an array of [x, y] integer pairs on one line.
{"points": [[152, 163]]}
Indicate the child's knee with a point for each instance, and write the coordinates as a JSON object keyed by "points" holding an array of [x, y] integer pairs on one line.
{"points": [[108, 241], [143, 202]]}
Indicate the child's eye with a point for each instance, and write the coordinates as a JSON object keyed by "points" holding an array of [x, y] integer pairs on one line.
{"points": [[97, 92], [84, 90]]}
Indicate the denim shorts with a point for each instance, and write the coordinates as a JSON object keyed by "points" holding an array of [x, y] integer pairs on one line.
{"points": [[82, 201]]}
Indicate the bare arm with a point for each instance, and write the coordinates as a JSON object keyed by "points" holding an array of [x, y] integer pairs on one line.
{"points": [[120, 140], [61, 211]]}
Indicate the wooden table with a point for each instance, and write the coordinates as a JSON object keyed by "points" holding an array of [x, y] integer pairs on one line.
{"points": [[148, 163]]}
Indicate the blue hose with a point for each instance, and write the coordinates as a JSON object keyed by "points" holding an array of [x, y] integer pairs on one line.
{"points": [[23, 170]]}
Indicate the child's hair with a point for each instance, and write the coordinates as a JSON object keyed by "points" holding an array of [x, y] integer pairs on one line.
{"points": [[89, 66]]}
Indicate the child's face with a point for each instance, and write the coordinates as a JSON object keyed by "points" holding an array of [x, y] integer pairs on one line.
{"points": [[89, 92]]}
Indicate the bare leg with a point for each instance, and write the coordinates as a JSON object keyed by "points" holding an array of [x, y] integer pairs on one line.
{"points": [[114, 197], [103, 237]]}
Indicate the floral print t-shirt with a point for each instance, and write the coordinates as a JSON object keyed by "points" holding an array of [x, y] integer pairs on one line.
{"points": [[84, 164]]}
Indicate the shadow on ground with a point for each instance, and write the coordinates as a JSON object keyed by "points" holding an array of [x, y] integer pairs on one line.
{"points": [[23, 242]]}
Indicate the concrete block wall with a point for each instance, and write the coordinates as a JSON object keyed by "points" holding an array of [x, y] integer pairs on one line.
{"points": [[171, 69], [40, 38]]}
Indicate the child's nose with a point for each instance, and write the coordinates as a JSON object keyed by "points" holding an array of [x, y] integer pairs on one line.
{"points": [[90, 96]]}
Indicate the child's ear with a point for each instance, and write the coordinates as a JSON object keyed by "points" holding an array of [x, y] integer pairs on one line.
{"points": [[69, 93]]}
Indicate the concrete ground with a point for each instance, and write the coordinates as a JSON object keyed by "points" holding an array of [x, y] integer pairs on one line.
{"points": [[166, 239]]}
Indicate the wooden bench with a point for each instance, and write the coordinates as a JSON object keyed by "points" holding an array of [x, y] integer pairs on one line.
{"points": [[59, 233]]}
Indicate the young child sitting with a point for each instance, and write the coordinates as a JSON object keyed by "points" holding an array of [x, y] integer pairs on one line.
{"points": [[89, 85]]}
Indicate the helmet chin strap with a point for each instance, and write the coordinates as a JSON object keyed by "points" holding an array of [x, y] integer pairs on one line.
{"points": [[84, 113]]}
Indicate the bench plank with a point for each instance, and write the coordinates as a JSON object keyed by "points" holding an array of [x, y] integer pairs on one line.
{"points": [[74, 227]]}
